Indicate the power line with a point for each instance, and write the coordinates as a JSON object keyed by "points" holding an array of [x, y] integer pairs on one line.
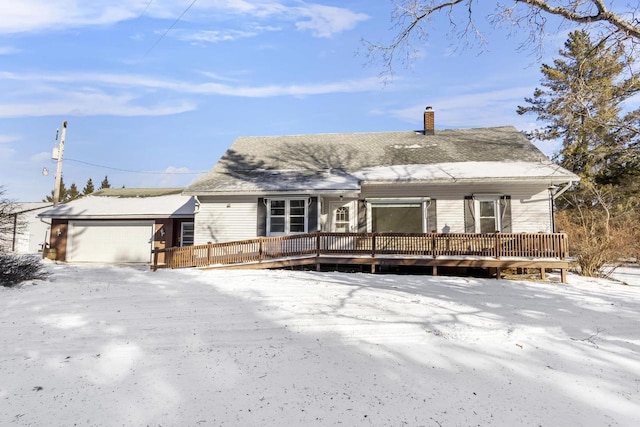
{"points": [[145, 9], [172, 25], [134, 171]]}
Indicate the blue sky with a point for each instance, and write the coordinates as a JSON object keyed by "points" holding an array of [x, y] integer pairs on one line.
{"points": [[167, 104]]}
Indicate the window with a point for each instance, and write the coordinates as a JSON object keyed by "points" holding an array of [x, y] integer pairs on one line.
{"points": [[277, 213], [401, 215], [286, 216], [342, 220], [487, 214], [186, 234], [396, 218]]}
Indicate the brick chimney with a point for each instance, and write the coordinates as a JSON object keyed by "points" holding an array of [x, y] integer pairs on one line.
{"points": [[429, 121]]}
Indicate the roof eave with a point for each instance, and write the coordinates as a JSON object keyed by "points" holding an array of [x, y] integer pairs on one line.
{"points": [[119, 217], [545, 180]]}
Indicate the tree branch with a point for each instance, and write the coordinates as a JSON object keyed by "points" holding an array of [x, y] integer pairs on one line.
{"points": [[603, 14]]}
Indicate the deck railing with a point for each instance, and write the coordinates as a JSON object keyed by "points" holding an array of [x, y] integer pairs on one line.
{"points": [[497, 246]]}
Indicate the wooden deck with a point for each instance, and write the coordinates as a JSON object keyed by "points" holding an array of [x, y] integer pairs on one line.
{"points": [[499, 251]]}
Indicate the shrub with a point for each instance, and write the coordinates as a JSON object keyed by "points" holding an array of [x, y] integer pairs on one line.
{"points": [[15, 269], [603, 230]]}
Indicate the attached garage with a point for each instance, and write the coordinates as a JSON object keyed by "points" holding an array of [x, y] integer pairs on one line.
{"points": [[110, 241], [121, 225]]}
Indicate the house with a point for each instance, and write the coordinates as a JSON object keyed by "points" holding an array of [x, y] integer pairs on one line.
{"points": [[120, 225], [28, 234], [446, 181]]}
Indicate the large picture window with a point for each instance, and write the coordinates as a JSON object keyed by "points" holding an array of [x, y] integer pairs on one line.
{"points": [[396, 218], [286, 216], [402, 215]]}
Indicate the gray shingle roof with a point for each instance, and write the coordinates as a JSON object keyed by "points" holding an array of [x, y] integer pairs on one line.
{"points": [[287, 163], [137, 192]]}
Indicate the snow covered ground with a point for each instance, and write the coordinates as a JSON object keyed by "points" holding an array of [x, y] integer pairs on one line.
{"points": [[122, 346]]}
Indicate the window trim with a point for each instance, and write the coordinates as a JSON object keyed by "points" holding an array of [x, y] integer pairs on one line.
{"points": [[502, 208], [287, 215], [496, 214]]}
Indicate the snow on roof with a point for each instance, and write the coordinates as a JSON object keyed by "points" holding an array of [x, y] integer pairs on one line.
{"points": [[100, 207], [22, 207], [451, 172], [495, 153], [138, 192], [289, 180]]}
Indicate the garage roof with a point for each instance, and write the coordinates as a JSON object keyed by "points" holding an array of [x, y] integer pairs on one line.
{"points": [[115, 205]]}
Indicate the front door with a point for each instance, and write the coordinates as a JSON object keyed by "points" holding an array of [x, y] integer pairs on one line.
{"points": [[343, 217]]}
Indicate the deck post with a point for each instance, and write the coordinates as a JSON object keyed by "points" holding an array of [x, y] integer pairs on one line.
{"points": [[208, 253], [260, 249], [563, 275], [373, 245], [497, 246], [543, 273], [433, 245], [155, 258], [434, 270], [498, 273], [318, 250]]}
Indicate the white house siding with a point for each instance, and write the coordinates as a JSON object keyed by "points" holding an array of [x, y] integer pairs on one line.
{"points": [[31, 233], [531, 213], [225, 219], [530, 207]]}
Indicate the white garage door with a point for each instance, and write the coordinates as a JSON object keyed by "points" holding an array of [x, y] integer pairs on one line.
{"points": [[109, 241]]}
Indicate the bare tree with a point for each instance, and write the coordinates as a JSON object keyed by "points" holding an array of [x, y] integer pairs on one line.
{"points": [[9, 221], [411, 19], [603, 229]]}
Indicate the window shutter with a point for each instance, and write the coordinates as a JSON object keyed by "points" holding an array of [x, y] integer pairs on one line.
{"points": [[312, 216], [505, 212], [432, 219], [469, 215], [362, 216], [262, 218]]}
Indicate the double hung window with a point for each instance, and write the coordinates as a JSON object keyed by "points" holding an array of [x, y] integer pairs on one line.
{"points": [[286, 216], [487, 213]]}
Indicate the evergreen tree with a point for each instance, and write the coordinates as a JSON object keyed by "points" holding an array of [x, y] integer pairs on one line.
{"points": [[88, 188], [581, 101], [72, 193], [105, 183], [66, 194], [63, 193]]}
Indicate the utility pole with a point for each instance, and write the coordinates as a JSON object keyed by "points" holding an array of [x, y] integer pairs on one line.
{"points": [[56, 190]]}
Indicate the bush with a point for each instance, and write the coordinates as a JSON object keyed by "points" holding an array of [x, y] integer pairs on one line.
{"points": [[15, 269], [603, 230]]}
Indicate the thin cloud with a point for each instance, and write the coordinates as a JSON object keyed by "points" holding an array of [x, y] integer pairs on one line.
{"points": [[39, 15], [92, 103], [40, 157], [7, 139], [325, 21], [486, 108], [213, 36], [8, 50], [208, 88]]}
